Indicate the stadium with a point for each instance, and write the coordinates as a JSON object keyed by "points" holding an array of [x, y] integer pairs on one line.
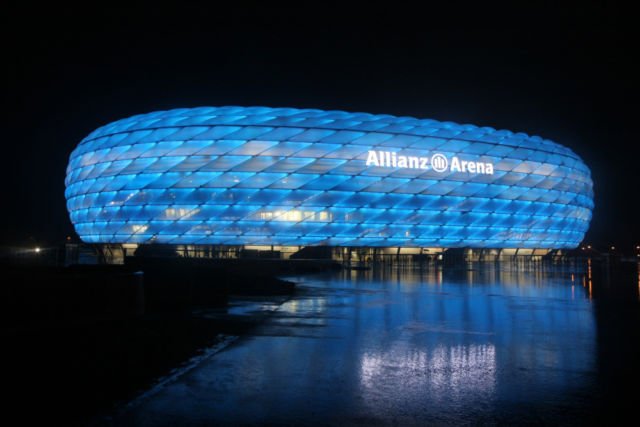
{"points": [[282, 179]]}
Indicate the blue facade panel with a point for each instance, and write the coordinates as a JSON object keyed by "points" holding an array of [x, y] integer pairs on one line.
{"points": [[282, 176]]}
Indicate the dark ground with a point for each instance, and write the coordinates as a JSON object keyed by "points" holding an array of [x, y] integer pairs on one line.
{"points": [[78, 341]]}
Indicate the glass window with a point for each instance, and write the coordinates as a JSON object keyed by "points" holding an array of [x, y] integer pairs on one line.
{"points": [[269, 196], [256, 164], [322, 166], [196, 179], [312, 135], [285, 148], [138, 165], [317, 150], [220, 147], [389, 200], [260, 180], [191, 163], [94, 171], [386, 185], [250, 132], [118, 182], [281, 134], [165, 180], [293, 181], [290, 164], [356, 183], [326, 198], [186, 133], [135, 136], [252, 148], [141, 181], [372, 139], [342, 137], [188, 148], [414, 186], [163, 164], [325, 182], [229, 179], [135, 151], [224, 163], [348, 152], [161, 149], [116, 167]]}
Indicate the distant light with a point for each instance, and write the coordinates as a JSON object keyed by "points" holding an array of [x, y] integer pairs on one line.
{"points": [[37, 250], [583, 248], [613, 248], [589, 246], [638, 247], [68, 237]]}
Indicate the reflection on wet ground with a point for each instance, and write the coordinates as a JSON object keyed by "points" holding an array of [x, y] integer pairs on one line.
{"points": [[413, 347]]}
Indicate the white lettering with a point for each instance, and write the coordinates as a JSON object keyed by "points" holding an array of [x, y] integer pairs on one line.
{"points": [[372, 159], [471, 167], [439, 163], [455, 165]]}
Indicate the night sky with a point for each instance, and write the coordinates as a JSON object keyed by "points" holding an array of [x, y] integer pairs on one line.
{"points": [[564, 73]]}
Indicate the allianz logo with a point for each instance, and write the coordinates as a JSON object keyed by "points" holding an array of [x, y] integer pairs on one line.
{"points": [[438, 162]]}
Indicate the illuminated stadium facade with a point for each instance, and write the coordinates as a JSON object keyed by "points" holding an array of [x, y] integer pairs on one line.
{"points": [[262, 176]]}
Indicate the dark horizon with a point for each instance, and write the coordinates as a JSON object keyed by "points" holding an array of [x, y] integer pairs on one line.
{"points": [[566, 74]]}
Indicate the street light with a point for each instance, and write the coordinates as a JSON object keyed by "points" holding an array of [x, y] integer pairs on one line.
{"points": [[37, 250]]}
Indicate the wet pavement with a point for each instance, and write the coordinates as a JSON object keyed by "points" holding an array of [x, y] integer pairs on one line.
{"points": [[407, 347]]}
